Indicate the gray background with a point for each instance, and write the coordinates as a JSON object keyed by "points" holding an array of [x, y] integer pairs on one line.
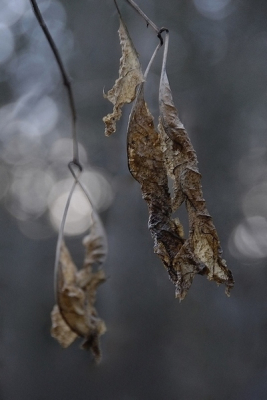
{"points": [[209, 347]]}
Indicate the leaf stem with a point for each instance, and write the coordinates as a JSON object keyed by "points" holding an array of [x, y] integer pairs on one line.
{"points": [[165, 54], [60, 238], [66, 79], [151, 61]]}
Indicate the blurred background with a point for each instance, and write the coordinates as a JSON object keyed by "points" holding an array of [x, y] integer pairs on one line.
{"points": [[209, 347]]}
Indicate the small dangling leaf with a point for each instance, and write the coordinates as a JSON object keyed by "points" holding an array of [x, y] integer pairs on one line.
{"points": [[75, 314], [181, 162], [130, 76]]}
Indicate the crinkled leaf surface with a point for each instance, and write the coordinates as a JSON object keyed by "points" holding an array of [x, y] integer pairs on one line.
{"points": [[76, 291], [130, 76], [181, 161], [60, 330], [147, 165]]}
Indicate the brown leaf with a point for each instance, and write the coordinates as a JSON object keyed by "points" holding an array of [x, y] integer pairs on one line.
{"points": [[181, 161], [76, 291], [130, 76], [147, 165], [151, 157]]}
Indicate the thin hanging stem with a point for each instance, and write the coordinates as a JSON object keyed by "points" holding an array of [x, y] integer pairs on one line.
{"points": [[148, 20], [60, 237], [141, 86], [151, 61], [76, 178], [66, 79], [165, 54], [116, 5], [94, 215], [143, 15]]}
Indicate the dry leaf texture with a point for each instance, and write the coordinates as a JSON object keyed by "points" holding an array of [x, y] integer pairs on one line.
{"points": [[130, 76], [60, 330], [181, 161], [147, 165], [76, 291]]}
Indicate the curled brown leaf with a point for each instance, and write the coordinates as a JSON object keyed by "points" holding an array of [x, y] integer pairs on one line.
{"points": [[147, 165], [130, 76], [181, 161], [152, 156]]}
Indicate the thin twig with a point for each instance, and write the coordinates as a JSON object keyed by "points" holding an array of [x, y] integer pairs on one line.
{"points": [[165, 54], [116, 5], [94, 217], [66, 80], [148, 20], [76, 177], [60, 238], [151, 61]]}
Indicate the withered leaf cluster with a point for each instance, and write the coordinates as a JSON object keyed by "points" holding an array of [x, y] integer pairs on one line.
{"points": [[153, 155], [75, 314]]}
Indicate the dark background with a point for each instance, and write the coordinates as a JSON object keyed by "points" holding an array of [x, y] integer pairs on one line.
{"points": [[209, 347]]}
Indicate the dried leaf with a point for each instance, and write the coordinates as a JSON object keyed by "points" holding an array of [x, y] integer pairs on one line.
{"points": [[130, 76], [181, 161], [76, 291], [151, 157], [147, 165]]}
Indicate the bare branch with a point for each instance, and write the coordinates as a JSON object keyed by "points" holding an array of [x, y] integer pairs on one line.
{"points": [[148, 20], [66, 79]]}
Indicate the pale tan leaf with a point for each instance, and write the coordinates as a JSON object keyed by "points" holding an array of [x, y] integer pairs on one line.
{"points": [[130, 76], [76, 292], [95, 244], [60, 330], [67, 267]]}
